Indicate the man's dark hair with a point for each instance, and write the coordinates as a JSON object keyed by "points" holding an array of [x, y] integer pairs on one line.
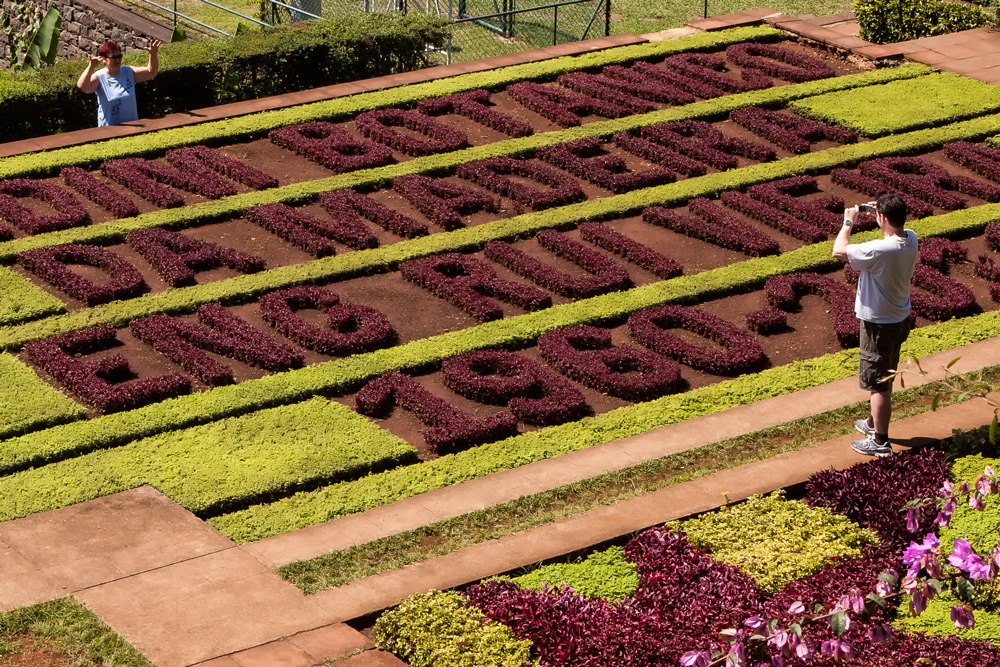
{"points": [[893, 208], [107, 48]]}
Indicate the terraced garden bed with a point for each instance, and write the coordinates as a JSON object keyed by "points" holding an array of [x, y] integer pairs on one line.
{"points": [[491, 269]]}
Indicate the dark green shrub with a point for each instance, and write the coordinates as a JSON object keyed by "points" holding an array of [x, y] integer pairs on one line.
{"points": [[888, 21], [207, 72]]}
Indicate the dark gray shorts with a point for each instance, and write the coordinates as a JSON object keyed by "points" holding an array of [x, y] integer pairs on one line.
{"points": [[879, 353]]}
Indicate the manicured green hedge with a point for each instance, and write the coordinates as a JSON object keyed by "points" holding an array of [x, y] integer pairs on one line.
{"points": [[601, 575], [28, 403], [305, 509], [297, 193], [903, 106], [936, 620], [224, 464], [889, 21], [24, 301], [243, 288], [774, 540], [438, 629], [203, 73], [255, 125], [337, 376]]}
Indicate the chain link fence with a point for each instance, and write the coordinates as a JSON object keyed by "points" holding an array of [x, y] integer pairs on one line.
{"points": [[482, 28]]}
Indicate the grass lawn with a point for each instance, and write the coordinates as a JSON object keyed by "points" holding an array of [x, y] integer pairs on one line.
{"points": [[472, 41]]}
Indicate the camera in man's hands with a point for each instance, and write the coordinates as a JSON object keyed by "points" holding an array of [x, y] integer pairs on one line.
{"points": [[866, 208]]}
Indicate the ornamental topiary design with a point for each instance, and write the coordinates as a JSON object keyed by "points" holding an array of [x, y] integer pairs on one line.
{"points": [[708, 69], [786, 195], [665, 87], [873, 188], [608, 275], [453, 430], [587, 159], [776, 540], [790, 131], [331, 146], [585, 354], [52, 264], [562, 107], [69, 210], [443, 202], [220, 332], [93, 381], [873, 493], [205, 162], [351, 208], [740, 351], [143, 177], [609, 90], [750, 206], [714, 225], [462, 634], [312, 234], [176, 257], [352, 328], [379, 125], [661, 155], [778, 61], [701, 141], [534, 394], [928, 181], [785, 291], [472, 285], [558, 189], [99, 192], [474, 105], [642, 255]]}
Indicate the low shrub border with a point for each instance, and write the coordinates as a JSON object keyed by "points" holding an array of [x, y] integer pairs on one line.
{"points": [[301, 192], [27, 402], [330, 377], [225, 464], [339, 108], [310, 508], [23, 301], [386, 258]]}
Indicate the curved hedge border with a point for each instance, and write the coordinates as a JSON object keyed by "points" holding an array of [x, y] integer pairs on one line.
{"points": [[246, 287], [303, 192], [233, 129], [337, 376], [305, 509]]}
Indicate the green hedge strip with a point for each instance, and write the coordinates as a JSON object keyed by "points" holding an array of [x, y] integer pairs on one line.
{"points": [[247, 287], [24, 301], [223, 464], [188, 216], [339, 376], [926, 102], [243, 127], [309, 508], [28, 403]]}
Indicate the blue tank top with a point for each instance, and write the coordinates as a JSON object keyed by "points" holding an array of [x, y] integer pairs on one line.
{"points": [[116, 97]]}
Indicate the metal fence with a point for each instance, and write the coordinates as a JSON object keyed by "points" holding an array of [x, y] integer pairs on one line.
{"points": [[480, 28]]}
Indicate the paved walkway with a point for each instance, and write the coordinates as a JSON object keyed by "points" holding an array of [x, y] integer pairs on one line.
{"points": [[185, 595]]}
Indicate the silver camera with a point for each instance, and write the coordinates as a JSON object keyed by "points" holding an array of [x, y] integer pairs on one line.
{"points": [[866, 208]]}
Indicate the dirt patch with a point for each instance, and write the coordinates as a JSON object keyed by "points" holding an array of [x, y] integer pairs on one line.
{"points": [[30, 650]]}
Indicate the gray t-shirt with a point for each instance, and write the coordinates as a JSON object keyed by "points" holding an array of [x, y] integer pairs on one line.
{"points": [[886, 267]]}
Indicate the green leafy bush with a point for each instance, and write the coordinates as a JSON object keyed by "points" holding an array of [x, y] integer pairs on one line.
{"points": [[221, 465], [24, 301], [776, 540], [888, 21], [936, 620], [437, 629], [924, 102], [28, 403], [203, 73], [603, 574], [979, 528]]}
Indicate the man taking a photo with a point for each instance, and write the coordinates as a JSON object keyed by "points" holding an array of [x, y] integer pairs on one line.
{"points": [[883, 306]]}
